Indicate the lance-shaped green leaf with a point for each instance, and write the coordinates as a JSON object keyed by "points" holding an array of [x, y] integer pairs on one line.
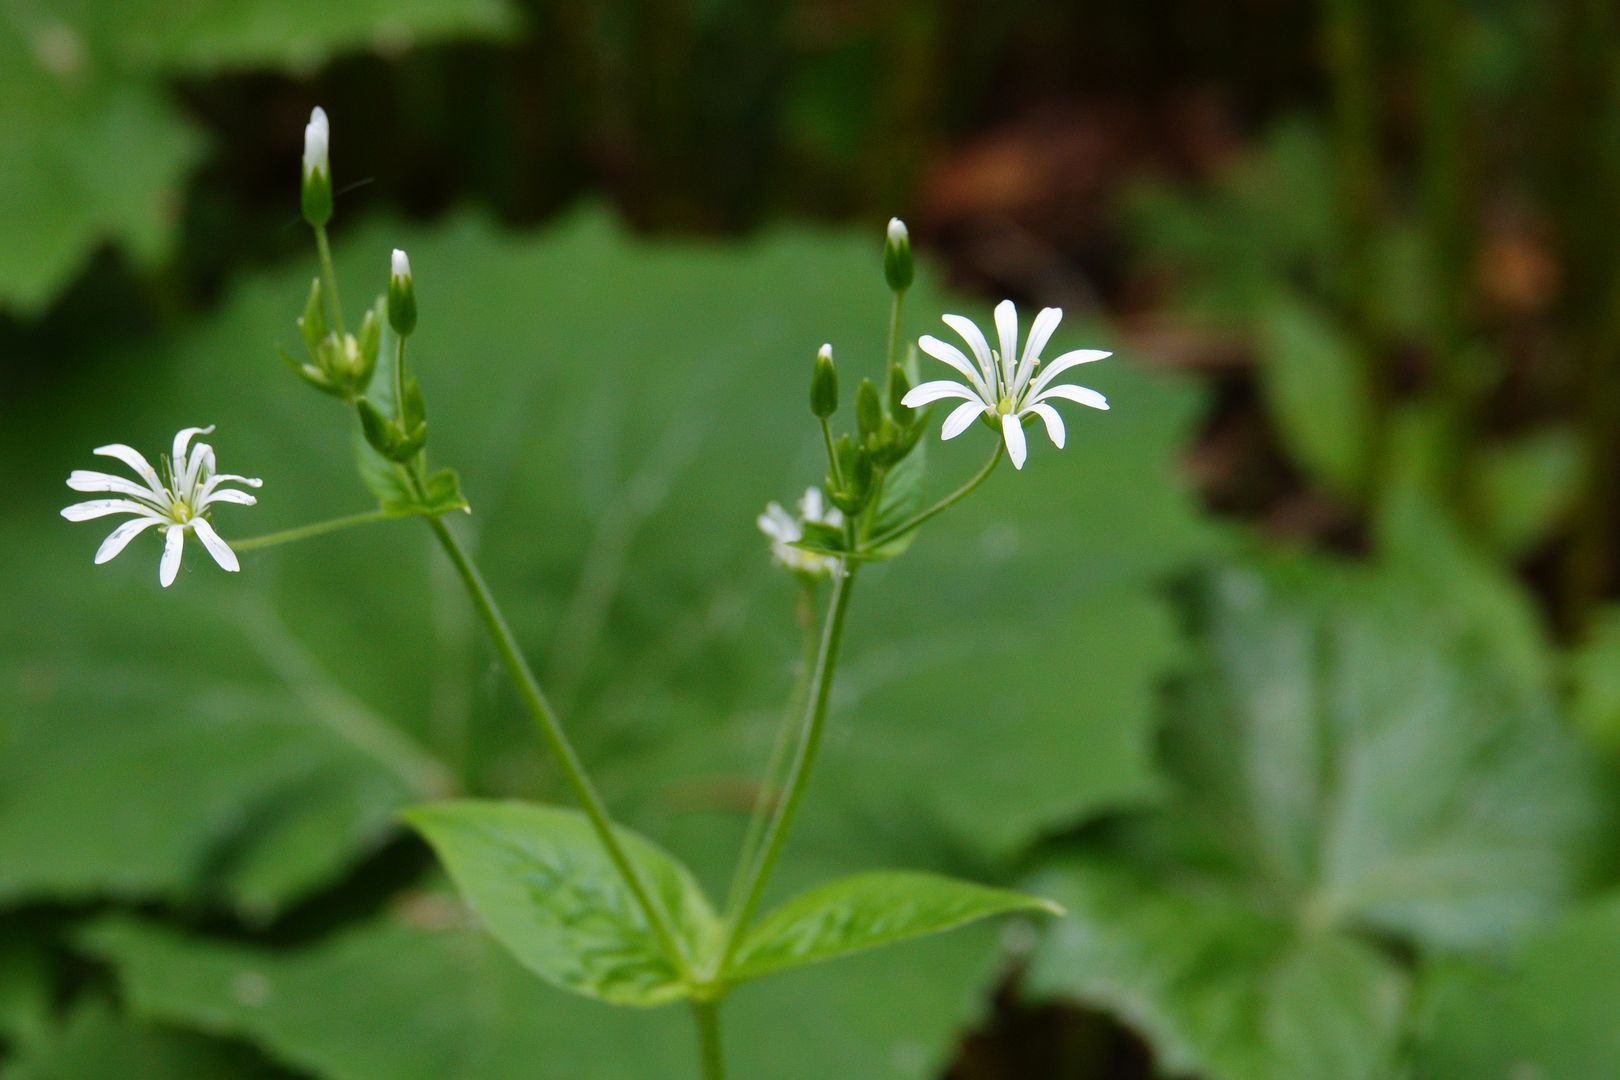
{"points": [[546, 889], [868, 911]]}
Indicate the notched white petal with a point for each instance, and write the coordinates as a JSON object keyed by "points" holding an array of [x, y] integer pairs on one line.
{"points": [[1012, 432], [216, 546], [929, 392], [1082, 395], [960, 418], [174, 538], [96, 508], [119, 538]]}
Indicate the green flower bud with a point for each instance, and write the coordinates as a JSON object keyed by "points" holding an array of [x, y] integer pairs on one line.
{"points": [[316, 195], [401, 295], [897, 266], [868, 409], [824, 385]]}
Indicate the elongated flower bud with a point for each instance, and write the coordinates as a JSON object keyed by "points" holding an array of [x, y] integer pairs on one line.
{"points": [[824, 385], [868, 410], [401, 295], [317, 176], [897, 266]]}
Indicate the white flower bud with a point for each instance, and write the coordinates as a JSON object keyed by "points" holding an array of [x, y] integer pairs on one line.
{"points": [[400, 268], [317, 137]]}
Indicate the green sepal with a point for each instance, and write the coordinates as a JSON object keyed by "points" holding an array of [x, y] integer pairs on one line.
{"points": [[868, 410], [413, 411], [823, 537], [312, 324], [315, 198], [310, 374], [401, 305], [382, 433], [898, 387], [368, 344]]}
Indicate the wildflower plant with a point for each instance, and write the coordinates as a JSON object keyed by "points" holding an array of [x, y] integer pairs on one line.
{"points": [[582, 901]]}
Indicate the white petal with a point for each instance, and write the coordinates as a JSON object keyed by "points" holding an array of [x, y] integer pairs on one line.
{"points": [[217, 547], [929, 392], [199, 464], [778, 524], [1054, 423], [174, 537], [975, 338], [89, 480], [1007, 330], [945, 352], [182, 439], [134, 459], [224, 495], [227, 478], [97, 508], [119, 538], [1040, 332], [1012, 431], [810, 505], [1070, 392], [960, 418], [1064, 363]]}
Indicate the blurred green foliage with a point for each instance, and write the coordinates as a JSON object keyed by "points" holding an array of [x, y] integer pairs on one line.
{"points": [[1315, 816]]}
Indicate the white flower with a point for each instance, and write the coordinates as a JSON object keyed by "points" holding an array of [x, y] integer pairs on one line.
{"points": [[784, 530], [1003, 385], [317, 134], [181, 504]]}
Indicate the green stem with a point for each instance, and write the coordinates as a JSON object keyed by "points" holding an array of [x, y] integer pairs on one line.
{"points": [[318, 528], [707, 1014], [329, 274], [832, 455], [779, 750], [940, 507], [552, 734], [894, 330], [804, 760]]}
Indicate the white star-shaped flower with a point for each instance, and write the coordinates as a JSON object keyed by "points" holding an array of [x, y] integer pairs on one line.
{"points": [[785, 530], [1005, 386], [181, 504]]}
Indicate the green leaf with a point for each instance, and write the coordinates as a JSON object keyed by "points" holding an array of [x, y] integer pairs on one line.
{"points": [[1353, 765], [902, 497], [1218, 988], [868, 911], [545, 887], [1594, 678], [1315, 389], [1524, 487], [615, 504], [139, 774], [1548, 1010]]}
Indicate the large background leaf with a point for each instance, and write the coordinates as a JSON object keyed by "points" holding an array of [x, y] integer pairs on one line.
{"points": [[615, 459], [1352, 768]]}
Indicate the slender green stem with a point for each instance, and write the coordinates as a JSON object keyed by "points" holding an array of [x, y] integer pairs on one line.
{"points": [[894, 330], [779, 750], [712, 1053], [944, 504], [318, 528], [804, 760], [556, 740], [329, 273], [832, 455], [399, 378]]}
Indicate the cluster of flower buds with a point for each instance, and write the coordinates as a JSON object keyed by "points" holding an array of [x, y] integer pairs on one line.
{"points": [[340, 364], [885, 430], [402, 437]]}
